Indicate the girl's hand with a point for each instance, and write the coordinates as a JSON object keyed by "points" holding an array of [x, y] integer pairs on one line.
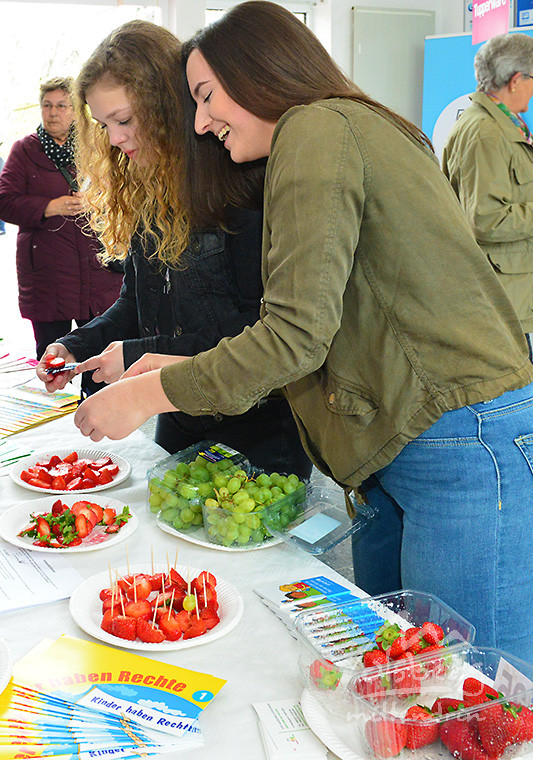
{"points": [[108, 366], [57, 381], [150, 362], [119, 409]]}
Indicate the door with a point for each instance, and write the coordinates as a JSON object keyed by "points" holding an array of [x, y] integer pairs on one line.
{"points": [[388, 61]]}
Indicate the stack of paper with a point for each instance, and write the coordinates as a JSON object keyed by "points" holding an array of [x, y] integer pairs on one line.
{"points": [[72, 699], [11, 453], [27, 405], [285, 732], [289, 599]]}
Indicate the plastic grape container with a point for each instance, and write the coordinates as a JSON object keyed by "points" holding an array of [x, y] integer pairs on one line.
{"points": [[333, 638], [179, 484], [240, 521], [473, 703]]}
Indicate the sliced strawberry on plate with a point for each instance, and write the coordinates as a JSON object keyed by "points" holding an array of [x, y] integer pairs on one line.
{"points": [[109, 516], [43, 528], [210, 616], [171, 626], [140, 589], [97, 464], [197, 627], [59, 483], [139, 609], [148, 633], [107, 620], [70, 458], [425, 729], [82, 526], [386, 735], [124, 627]]}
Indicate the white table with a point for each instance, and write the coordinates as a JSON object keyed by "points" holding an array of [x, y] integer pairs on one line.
{"points": [[258, 657]]}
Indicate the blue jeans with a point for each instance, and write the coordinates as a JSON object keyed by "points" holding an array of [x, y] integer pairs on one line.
{"points": [[455, 518]]}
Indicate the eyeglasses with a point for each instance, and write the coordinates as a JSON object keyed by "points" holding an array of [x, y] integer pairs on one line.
{"points": [[527, 76], [61, 107]]}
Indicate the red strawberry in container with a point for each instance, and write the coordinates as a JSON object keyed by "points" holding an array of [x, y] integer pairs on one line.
{"points": [[435, 665], [386, 735], [462, 739], [432, 632], [414, 639], [374, 657], [476, 692], [407, 678], [498, 727], [423, 730], [525, 730], [446, 705]]}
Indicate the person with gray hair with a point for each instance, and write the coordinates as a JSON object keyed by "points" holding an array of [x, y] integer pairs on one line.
{"points": [[488, 158]]}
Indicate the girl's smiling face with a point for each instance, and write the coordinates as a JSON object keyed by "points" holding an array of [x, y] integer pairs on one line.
{"points": [[247, 137], [112, 109]]}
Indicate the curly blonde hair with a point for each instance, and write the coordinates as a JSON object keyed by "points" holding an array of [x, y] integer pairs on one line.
{"points": [[122, 196]]}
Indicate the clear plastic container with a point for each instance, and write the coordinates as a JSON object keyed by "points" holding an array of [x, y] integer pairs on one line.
{"points": [[178, 485], [320, 524], [384, 723], [334, 637], [249, 528]]}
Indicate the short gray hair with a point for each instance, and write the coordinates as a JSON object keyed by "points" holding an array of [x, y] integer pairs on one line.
{"points": [[57, 83], [500, 58]]}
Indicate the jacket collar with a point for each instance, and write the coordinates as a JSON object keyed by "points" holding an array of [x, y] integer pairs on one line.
{"points": [[34, 151], [510, 130]]}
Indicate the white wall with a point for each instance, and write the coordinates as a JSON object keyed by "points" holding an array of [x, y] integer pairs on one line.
{"points": [[332, 21]]}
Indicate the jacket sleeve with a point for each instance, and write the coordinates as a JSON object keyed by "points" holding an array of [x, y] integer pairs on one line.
{"points": [[313, 207], [487, 193], [16, 206]]}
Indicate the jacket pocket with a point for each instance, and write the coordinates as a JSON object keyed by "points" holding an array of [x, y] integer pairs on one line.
{"points": [[345, 398], [523, 172], [204, 264], [525, 444], [512, 258]]}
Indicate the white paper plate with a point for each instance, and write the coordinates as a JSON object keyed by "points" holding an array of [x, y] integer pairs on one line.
{"points": [[86, 609], [18, 517], [198, 537], [338, 736], [124, 468], [6, 664]]}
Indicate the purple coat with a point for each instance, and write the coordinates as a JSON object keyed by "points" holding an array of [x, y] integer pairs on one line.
{"points": [[59, 277]]}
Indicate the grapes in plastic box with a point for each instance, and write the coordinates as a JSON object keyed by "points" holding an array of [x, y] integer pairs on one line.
{"points": [[178, 485]]}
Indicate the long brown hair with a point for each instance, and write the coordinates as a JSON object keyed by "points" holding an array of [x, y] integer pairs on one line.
{"points": [[122, 196], [268, 61]]}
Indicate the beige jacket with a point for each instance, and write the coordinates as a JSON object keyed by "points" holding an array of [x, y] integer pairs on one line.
{"points": [[490, 166], [380, 310]]}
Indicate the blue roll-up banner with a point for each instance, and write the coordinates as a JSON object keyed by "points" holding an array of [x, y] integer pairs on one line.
{"points": [[448, 81]]}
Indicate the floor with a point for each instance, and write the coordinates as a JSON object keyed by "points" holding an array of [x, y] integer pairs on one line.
{"points": [[20, 334]]}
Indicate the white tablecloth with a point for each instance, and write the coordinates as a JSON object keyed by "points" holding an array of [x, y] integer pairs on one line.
{"points": [[258, 657]]}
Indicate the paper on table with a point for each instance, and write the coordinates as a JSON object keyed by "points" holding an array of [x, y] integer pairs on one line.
{"points": [[285, 731], [28, 578]]}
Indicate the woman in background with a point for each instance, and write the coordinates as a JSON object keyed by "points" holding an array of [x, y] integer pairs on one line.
{"points": [[59, 276], [488, 158], [184, 289]]}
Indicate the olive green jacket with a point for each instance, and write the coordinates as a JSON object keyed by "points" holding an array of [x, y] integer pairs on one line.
{"points": [[490, 166], [380, 311]]}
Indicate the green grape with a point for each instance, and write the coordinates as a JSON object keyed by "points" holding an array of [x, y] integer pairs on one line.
{"points": [[155, 501], [181, 469], [241, 475], [239, 518], [172, 500], [289, 487], [220, 481], [187, 491], [198, 519], [276, 491], [202, 474], [224, 464], [205, 490], [263, 480], [232, 534], [223, 494], [256, 536], [233, 485], [178, 523], [240, 496], [187, 515], [212, 518], [248, 505], [170, 477], [212, 503], [253, 522]]}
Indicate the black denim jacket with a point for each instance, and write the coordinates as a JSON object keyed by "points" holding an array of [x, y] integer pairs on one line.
{"points": [[213, 294]]}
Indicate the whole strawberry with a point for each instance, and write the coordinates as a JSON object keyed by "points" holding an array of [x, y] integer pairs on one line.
{"points": [[386, 735], [476, 692], [407, 677], [414, 639], [498, 726], [432, 632], [423, 730], [387, 634], [525, 730], [374, 657], [434, 665], [446, 705], [462, 739], [372, 687]]}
